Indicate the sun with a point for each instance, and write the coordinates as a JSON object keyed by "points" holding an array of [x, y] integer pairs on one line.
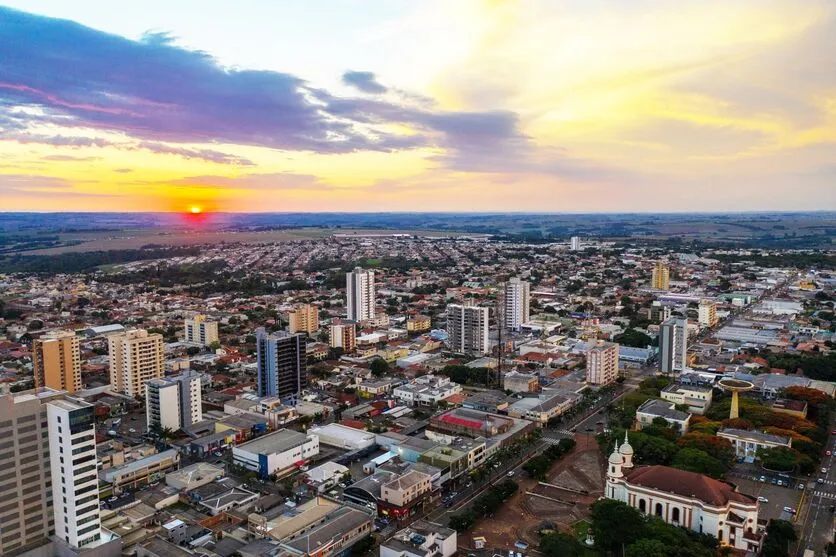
{"points": [[195, 210]]}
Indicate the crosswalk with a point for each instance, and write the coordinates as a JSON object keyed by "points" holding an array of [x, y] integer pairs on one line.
{"points": [[824, 494]]}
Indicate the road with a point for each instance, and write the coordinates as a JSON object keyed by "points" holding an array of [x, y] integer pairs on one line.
{"points": [[815, 515]]}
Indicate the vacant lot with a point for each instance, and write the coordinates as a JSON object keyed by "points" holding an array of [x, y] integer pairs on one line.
{"points": [[560, 500], [134, 239]]}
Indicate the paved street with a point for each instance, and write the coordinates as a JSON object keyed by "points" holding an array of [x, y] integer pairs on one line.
{"points": [[817, 521]]}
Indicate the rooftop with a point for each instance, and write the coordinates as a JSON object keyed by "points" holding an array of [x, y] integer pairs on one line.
{"points": [[276, 442], [688, 484]]}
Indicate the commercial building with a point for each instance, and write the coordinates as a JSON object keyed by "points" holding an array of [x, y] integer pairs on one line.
{"points": [[135, 357], [75, 481], [280, 365], [174, 402], [707, 313], [276, 453], [747, 443], [673, 346], [694, 501], [360, 294], [796, 408], [303, 318], [467, 329], [421, 539], [542, 408], [696, 397], [602, 363], [200, 331], [343, 437], [56, 360], [343, 334], [426, 390], [661, 277], [517, 382], [142, 471], [655, 408], [402, 495], [516, 300], [26, 518]]}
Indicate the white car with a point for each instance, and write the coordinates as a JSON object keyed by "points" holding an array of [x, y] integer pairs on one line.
{"points": [[824, 470], [763, 499]]}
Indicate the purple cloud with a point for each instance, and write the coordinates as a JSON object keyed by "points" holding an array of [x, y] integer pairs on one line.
{"points": [[202, 154], [155, 91], [365, 82]]}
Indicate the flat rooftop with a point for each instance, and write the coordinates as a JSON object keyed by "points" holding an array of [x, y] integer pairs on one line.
{"points": [[276, 442]]}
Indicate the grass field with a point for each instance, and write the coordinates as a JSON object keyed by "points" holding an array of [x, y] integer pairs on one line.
{"points": [[134, 239]]}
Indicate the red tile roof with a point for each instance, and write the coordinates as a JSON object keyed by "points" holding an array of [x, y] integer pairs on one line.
{"points": [[688, 484]]}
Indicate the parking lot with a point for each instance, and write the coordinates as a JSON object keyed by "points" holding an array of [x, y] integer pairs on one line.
{"points": [[778, 496]]}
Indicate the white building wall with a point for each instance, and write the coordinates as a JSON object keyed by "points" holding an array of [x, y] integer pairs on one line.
{"points": [[74, 470]]}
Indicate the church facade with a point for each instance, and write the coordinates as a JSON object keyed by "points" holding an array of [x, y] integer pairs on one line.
{"points": [[686, 499]]}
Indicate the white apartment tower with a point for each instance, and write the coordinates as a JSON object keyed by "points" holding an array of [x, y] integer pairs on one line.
{"points": [[75, 478], [602, 363], [467, 328], [516, 298], [174, 402], [575, 243], [200, 331], [673, 345], [135, 357], [359, 293]]}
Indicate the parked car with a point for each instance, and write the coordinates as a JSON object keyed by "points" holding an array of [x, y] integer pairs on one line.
{"points": [[763, 499], [510, 474], [800, 487], [824, 470]]}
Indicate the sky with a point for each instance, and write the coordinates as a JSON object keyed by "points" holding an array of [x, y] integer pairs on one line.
{"points": [[398, 105]]}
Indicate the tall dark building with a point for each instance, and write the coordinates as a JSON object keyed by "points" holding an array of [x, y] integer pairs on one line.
{"points": [[281, 364]]}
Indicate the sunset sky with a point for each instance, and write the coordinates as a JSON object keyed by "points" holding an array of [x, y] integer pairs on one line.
{"points": [[417, 105]]}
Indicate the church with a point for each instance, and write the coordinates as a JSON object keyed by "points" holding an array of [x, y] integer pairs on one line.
{"points": [[686, 499]]}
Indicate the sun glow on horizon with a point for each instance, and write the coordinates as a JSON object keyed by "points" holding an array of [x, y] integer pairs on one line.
{"points": [[195, 210]]}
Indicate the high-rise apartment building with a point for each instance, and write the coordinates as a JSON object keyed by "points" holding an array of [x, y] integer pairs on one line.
{"points": [[707, 313], [343, 334], [135, 357], [26, 517], [360, 294], [602, 363], [56, 359], [575, 243], [516, 299], [673, 345], [659, 312], [174, 402], [75, 478], [200, 331], [467, 329], [661, 278], [281, 364], [303, 319]]}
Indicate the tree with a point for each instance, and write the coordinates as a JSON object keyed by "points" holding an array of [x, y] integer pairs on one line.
{"points": [[778, 458], [192, 350], [463, 521], [779, 534], [695, 460], [632, 337], [646, 547], [35, 325], [560, 545], [379, 367], [614, 523]]}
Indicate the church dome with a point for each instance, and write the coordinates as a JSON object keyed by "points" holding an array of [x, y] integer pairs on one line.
{"points": [[626, 448], [616, 458]]}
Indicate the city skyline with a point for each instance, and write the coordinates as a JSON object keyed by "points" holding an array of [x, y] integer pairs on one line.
{"points": [[434, 106]]}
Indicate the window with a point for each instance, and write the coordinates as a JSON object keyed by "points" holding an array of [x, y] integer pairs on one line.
{"points": [[642, 506], [659, 510], [675, 514]]}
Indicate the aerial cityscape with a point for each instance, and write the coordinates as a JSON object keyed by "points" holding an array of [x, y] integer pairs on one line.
{"points": [[417, 279]]}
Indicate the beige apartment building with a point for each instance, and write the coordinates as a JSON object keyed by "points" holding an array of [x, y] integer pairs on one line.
{"points": [[26, 516], [303, 319], [707, 313], [661, 279], [200, 331], [135, 357], [602, 363], [56, 360]]}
